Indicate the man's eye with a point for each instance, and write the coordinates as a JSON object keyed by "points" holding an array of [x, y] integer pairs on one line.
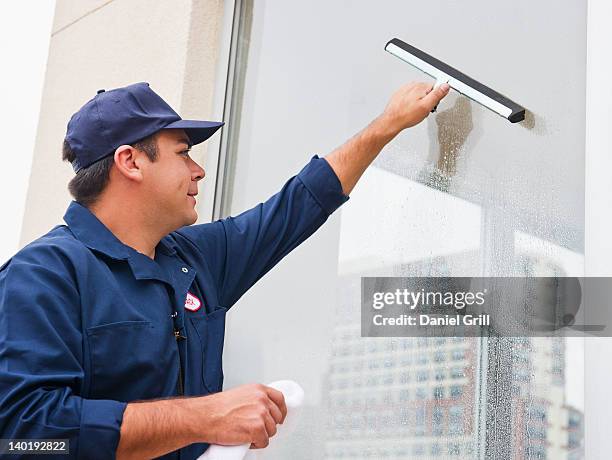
{"points": [[184, 152]]}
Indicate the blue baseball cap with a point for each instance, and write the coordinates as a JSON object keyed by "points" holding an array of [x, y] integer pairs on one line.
{"points": [[124, 116]]}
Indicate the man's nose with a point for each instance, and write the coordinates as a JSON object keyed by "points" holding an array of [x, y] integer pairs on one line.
{"points": [[197, 172]]}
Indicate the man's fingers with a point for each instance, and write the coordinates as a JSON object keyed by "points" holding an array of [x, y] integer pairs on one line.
{"points": [[435, 96], [275, 412], [261, 436], [261, 440], [277, 398], [270, 425], [426, 87]]}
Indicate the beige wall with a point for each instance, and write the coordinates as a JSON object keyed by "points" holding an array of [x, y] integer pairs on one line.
{"points": [[173, 45]]}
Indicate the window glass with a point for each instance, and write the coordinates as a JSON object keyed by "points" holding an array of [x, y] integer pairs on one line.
{"points": [[465, 193]]}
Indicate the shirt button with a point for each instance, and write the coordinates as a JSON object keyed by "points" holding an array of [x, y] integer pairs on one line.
{"points": [[184, 270]]}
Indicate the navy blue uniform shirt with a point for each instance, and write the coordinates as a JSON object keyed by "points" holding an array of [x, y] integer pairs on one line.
{"points": [[88, 324]]}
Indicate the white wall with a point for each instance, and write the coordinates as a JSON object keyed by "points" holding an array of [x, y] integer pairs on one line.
{"points": [[24, 43], [172, 45]]}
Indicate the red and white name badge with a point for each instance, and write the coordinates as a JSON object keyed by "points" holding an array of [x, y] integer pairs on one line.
{"points": [[192, 303]]}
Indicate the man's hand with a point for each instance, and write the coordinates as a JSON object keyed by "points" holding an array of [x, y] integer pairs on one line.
{"points": [[408, 106], [246, 414], [243, 415], [411, 104]]}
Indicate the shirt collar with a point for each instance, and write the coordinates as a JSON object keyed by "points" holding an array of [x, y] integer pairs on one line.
{"points": [[95, 235]]}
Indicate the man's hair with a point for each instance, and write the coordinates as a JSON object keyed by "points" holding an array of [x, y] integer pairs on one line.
{"points": [[87, 185]]}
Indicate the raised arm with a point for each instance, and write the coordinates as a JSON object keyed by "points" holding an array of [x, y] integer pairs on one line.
{"points": [[408, 106], [240, 250]]}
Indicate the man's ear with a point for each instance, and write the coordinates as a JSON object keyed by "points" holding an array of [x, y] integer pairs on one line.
{"points": [[128, 162]]}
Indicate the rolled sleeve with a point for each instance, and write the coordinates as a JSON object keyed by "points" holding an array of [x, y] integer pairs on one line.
{"points": [[323, 183], [100, 428]]}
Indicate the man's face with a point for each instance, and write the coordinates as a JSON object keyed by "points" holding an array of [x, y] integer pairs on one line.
{"points": [[172, 180]]}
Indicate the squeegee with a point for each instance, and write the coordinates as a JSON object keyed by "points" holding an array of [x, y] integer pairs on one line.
{"points": [[443, 73]]}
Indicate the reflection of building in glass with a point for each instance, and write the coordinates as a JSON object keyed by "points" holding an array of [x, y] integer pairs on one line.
{"points": [[419, 397], [575, 433], [406, 398], [415, 397], [400, 398], [549, 428]]}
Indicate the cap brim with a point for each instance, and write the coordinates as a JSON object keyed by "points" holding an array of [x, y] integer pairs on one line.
{"points": [[197, 130]]}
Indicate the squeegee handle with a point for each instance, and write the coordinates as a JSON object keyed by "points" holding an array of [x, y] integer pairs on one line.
{"points": [[439, 82]]}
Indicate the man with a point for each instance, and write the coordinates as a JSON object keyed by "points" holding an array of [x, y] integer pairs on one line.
{"points": [[112, 326]]}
